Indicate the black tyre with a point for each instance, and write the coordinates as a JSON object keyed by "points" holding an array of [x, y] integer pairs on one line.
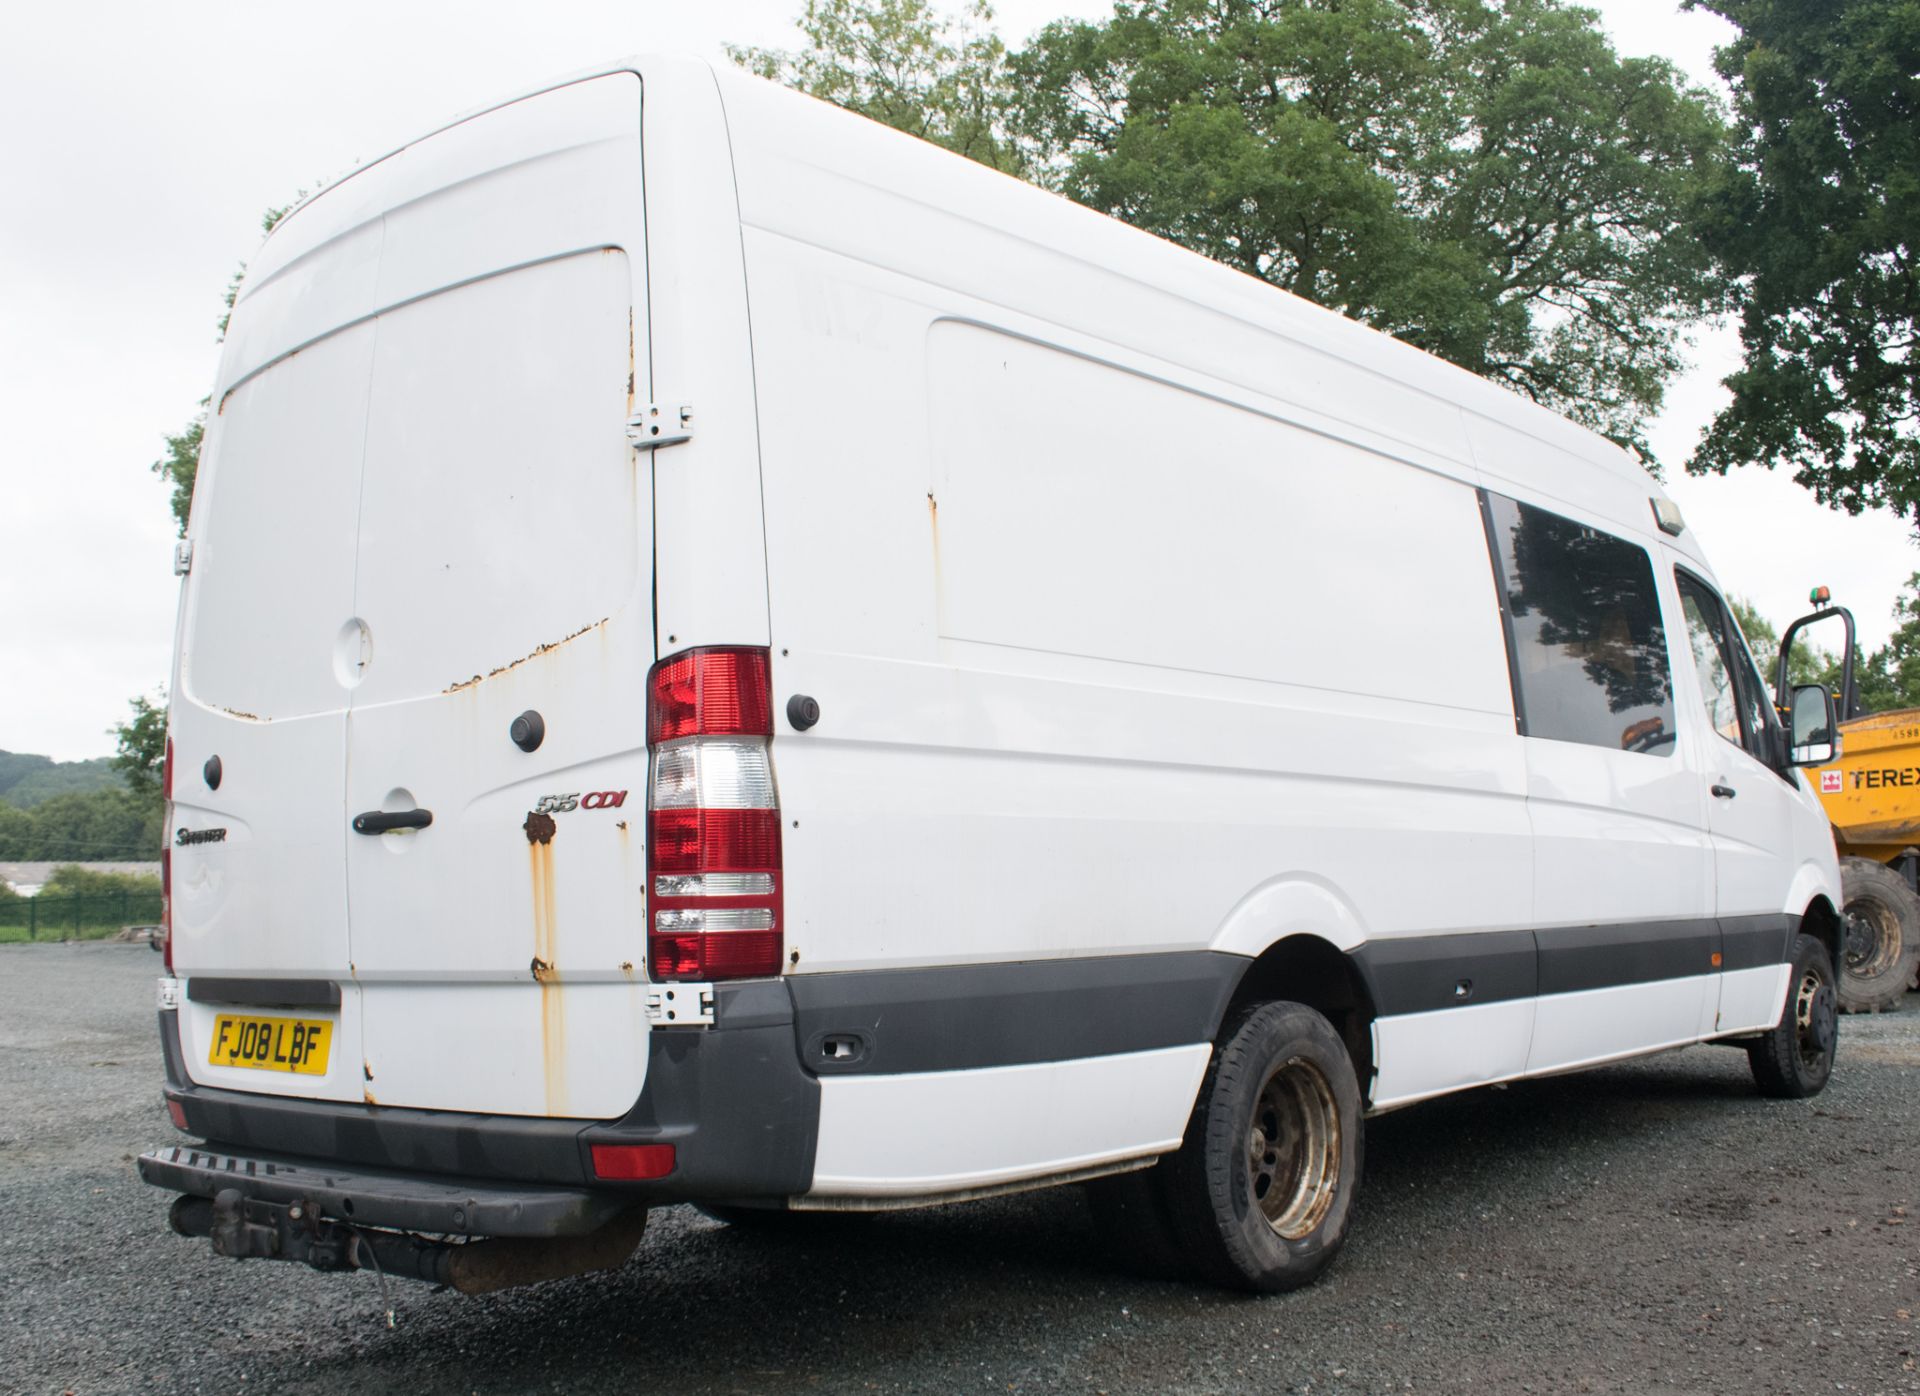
{"points": [[1882, 926], [1129, 1213], [1260, 1193], [1796, 1058]]}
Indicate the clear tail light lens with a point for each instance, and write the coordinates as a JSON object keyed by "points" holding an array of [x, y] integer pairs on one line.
{"points": [[713, 818]]}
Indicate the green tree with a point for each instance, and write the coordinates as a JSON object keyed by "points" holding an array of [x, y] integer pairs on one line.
{"points": [[70, 881], [1819, 219], [907, 64], [181, 463], [142, 746], [1807, 664], [1886, 679], [104, 826], [1889, 678], [1489, 181]]}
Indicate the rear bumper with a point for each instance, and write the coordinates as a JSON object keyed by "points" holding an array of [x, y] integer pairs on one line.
{"points": [[741, 1112], [401, 1201]]}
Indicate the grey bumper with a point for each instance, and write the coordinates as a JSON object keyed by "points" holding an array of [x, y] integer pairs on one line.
{"points": [[404, 1202], [734, 1102]]}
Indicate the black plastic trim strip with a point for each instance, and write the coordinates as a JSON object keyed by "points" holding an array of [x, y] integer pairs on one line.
{"points": [[1417, 974], [264, 993], [1755, 942], [964, 1017], [1578, 958], [1494, 553]]}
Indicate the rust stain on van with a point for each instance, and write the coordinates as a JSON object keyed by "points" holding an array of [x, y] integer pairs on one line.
{"points": [[939, 585], [539, 650], [244, 717], [544, 965], [631, 359]]}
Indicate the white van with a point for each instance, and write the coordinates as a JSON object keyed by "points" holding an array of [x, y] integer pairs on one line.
{"points": [[728, 655]]}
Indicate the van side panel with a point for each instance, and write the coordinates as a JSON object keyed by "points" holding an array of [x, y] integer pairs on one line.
{"points": [[1047, 649], [1169, 746]]}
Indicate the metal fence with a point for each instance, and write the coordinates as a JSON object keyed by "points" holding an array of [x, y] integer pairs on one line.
{"points": [[96, 914]]}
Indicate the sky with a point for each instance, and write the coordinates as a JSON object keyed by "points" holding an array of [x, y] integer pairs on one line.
{"points": [[143, 141]]}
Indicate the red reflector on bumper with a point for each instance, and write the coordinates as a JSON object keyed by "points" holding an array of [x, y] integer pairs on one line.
{"points": [[179, 1114], [632, 1162]]}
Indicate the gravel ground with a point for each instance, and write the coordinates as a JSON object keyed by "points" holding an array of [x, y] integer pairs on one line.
{"points": [[1650, 1228]]}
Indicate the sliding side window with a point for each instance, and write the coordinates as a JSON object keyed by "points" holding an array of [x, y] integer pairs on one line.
{"points": [[1589, 649]]}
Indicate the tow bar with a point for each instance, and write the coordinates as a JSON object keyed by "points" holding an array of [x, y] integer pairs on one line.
{"points": [[247, 1228]]}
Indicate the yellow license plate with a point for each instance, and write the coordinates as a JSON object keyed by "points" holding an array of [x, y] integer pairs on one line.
{"points": [[272, 1044]]}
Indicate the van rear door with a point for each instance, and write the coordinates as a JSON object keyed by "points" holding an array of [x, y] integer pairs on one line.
{"points": [[420, 519], [503, 569], [258, 882]]}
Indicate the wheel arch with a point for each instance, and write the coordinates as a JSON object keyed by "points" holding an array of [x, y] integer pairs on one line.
{"points": [[1822, 922], [1309, 968]]}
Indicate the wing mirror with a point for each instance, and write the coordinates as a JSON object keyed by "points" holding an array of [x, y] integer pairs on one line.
{"points": [[1813, 735]]}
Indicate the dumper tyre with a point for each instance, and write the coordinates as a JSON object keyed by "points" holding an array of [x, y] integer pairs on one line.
{"points": [[1260, 1193], [1882, 936], [1794, 1060]]}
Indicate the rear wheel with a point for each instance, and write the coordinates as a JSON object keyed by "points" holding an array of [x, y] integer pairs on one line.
{"points": [[1796, 1058], [1260, 1193], [1881, 923]]}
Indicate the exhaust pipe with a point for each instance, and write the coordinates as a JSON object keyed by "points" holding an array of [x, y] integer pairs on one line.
{"points": [[248, 1228]]}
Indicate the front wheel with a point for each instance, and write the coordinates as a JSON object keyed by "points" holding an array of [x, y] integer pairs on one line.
{"points": [[1260, 1193], [1796, 1058]]}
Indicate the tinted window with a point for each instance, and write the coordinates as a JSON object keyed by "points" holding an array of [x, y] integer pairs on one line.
{"points": [[1710, 654], [1590, 653], [1736, 700]]}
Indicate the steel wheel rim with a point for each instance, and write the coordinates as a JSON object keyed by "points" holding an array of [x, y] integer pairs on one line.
{"points": [[1293, 1148], [1815, 1017], [1886, 937]]}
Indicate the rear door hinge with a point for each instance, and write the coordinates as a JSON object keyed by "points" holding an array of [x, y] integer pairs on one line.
{"points": [[660, 424], [183, 557]]}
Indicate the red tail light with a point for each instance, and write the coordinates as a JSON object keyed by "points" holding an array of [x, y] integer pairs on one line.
{"points": [[713, 818], [710, 693], [715, 840]]}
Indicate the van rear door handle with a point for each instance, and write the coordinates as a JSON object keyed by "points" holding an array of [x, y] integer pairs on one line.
{"points": [[379, 821], [1724, 792]]}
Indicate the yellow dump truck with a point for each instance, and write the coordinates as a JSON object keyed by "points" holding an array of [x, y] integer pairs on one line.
{"points": [[1872, 795]]}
